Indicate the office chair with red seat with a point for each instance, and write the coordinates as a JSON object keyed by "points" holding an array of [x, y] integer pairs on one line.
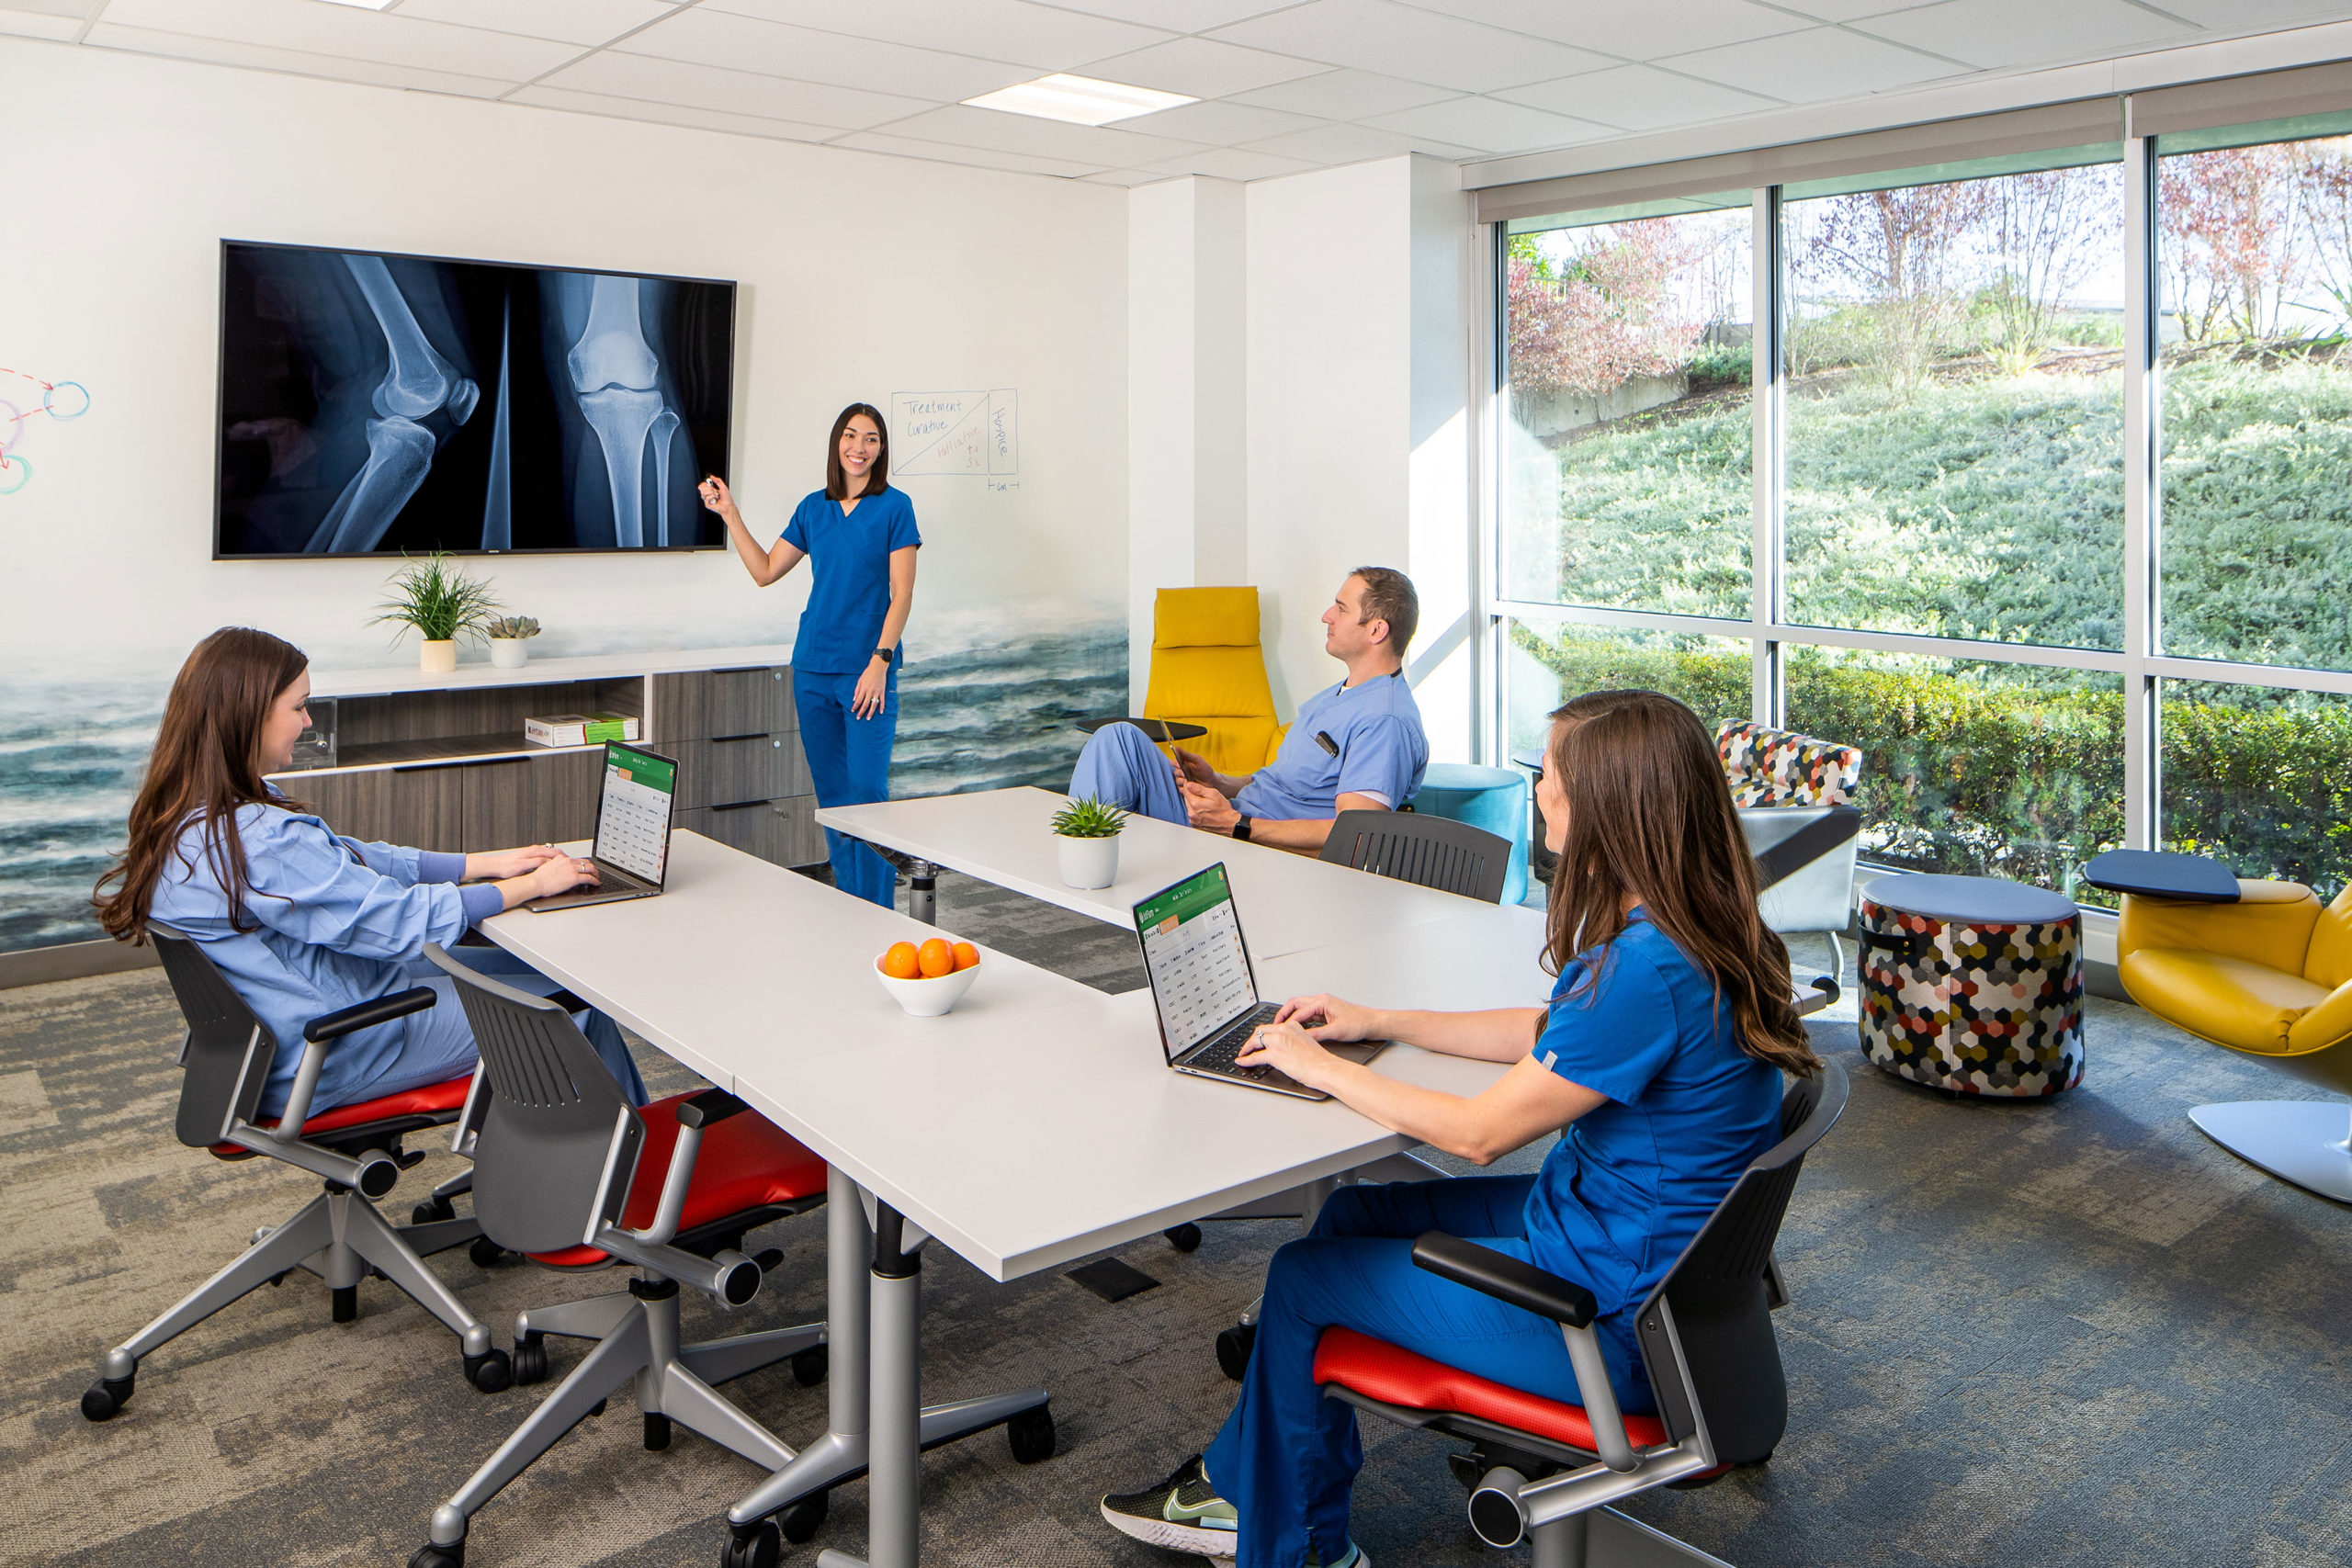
{"points": [[1544, 1469], [567, 1172], [339, 1235]]}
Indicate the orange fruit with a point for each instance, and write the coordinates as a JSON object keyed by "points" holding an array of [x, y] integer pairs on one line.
{"points": [[967, 956], [901, 962], [936, 958]]}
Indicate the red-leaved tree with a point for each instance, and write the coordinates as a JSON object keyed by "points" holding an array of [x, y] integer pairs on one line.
{"points": [[2229, 238], [1607, 315]]}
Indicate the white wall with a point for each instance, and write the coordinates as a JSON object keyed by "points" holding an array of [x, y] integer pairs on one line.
{"points": [[861, 276]]}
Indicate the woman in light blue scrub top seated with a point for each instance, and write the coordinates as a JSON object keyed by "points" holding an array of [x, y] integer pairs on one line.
{"points": [[1658, 1059], [860, 539], [299, 920]]}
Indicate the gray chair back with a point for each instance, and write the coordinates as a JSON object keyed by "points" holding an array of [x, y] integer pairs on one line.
{"points": [[559, 1142], [1432, 852], [225, 1062], [1805, 854]]}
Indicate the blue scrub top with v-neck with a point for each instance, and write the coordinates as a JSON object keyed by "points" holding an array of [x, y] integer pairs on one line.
{"points": [[849, 562]]}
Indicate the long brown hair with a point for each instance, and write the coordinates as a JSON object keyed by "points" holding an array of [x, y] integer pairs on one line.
{"points": [[207, 760], [1650, 813], [877, 478]]}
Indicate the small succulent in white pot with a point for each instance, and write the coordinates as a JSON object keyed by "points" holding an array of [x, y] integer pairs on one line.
{"points": [[509, 640], [1087, 840]]}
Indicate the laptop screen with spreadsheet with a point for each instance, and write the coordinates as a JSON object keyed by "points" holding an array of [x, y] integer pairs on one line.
{"points": [[1199, 966], [633, 813]]}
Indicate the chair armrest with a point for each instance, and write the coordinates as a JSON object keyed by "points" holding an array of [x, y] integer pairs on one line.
{"points": [[368, 1014], [709, 1107], [1504, 1278]]}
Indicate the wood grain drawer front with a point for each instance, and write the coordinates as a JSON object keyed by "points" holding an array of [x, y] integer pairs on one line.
{"points": [[707, 703], [782, 832], [419, 808], [724, 771]]}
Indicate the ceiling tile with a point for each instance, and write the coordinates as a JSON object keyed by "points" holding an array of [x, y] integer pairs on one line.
{"points": [[737, 91], [990, 29], [2020, 32], [1491, 126], [1200, 68], [1845, 10], [342, 32], [692, 116], [1638, 97], [1128, 177], [1101, 146], [1421, 46], [1354, 143], [1219, 125], [1345, 94], [974, 157], [2246, 16], [300, 62], [74, 8], [747, 43], [1813, 66], [29, 24], [1637, 32], [1177, 16], [572, 21], [1233, 163]]}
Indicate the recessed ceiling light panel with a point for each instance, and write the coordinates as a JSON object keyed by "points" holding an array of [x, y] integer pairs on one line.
{"points": [[1080, 100]]}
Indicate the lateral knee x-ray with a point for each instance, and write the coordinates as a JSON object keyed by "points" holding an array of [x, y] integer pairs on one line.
{"points": [[376, 402]]}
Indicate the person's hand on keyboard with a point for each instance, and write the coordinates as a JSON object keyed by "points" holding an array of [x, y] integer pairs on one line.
{"points": [[1289, 1050], [1329, 1017]]}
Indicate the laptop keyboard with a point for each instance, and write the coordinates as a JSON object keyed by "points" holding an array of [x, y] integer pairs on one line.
{"points": [[1218, 1056]]}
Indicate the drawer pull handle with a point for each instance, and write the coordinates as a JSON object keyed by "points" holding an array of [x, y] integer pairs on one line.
{"points": [[742, 670], [748, 735], [458, 762], [738, 806]]}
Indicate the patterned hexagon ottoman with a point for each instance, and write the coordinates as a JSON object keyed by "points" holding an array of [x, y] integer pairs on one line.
{"points": [[1973, 985]]}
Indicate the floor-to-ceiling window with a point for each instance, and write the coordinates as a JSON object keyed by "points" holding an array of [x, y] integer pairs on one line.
{"points": [[2027, 472]]}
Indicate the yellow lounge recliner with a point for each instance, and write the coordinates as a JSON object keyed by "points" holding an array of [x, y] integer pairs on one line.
{"points": [[2270, 976], [1208, 669]]}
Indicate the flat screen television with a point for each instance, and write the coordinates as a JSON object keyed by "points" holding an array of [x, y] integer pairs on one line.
{"points": [[374, 404]]}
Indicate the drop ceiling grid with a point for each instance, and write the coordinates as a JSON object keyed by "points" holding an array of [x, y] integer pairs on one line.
{"points": [[1285, 88]]}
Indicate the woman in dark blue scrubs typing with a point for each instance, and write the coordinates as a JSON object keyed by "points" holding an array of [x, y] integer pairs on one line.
{"points": [[1658, 1060], [860, 538]]}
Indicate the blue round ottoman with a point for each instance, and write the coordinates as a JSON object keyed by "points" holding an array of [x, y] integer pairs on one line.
{"points": [[1973, 985], [1492, 798]]}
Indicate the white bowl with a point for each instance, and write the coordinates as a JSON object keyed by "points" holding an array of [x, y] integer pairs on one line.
{"points": [[928, 997]]}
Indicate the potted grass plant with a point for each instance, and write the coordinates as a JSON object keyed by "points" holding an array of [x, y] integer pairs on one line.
{"points": [[442, 603], [510, 641], [1087, 835]]}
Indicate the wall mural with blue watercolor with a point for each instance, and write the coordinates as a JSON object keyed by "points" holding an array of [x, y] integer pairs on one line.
{"points": [[987, 715]]}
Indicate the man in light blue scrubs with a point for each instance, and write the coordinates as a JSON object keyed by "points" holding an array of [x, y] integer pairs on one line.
{"points": [[1357, 745]]}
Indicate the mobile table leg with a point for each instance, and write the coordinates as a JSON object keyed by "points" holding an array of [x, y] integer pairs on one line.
{"points": [[922, 891]]}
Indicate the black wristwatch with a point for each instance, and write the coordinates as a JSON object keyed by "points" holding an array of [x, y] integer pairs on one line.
{"points": [[1241, 827], [883, 654]]}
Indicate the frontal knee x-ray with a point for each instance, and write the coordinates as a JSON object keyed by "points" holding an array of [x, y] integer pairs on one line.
{"points": [[387, 403]]}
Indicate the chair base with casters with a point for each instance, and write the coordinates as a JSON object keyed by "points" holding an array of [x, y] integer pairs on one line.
{"points": [[1546, 1471], [355, 1150]]}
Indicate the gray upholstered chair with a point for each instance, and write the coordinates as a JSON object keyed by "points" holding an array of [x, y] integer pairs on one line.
{"points": [[1429, 851], [355, 1150], [567, 1173]]}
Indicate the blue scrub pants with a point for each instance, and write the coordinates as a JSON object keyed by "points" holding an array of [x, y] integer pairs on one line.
{"points": [[1121, 767], [849, 761], [439, 1044], [1287, 1455]]}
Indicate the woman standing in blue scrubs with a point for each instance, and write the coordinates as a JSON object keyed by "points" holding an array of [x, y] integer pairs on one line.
{"points": [[860, 538], [1660, 1057]]}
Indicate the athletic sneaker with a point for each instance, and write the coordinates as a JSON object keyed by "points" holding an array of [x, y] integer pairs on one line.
{"points": [[1354, 1558], [1182, 1513]]}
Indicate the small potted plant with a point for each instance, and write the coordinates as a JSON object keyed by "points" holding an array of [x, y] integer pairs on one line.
{"points": [[442, 603], [510, 641], [1089, 831]]}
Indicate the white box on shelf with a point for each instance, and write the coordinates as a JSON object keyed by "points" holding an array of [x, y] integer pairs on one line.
{"points": [[579, 728]]}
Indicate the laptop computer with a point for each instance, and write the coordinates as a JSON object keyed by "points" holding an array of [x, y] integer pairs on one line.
{"points": [[632, 849], [1206, 991]]}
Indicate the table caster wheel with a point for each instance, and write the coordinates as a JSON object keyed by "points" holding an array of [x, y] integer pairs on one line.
{"points": [[808, 1366], [751, 1546], [530, 1359], [432, 1556], [1185, 1237], [486, 1253], [104, 1399], [491, 1371], [1233, 1348], [657, 1432], [1032, 1435], [432, 1209], [597, 1408], [804, 1519], [346, 1303]]}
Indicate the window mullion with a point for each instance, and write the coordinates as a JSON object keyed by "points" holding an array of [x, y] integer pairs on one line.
{"points": [[1767, 410], [2143, 495]]}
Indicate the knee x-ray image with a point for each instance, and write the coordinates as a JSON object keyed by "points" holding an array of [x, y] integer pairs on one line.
{"points": [[401, 403]]}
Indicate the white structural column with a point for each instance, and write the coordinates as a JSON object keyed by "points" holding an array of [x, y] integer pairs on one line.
{"points": [[1439, 552], [1187, 523]]}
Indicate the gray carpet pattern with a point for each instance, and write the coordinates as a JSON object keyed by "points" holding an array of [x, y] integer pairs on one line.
{"points": [[2072, 1333]]}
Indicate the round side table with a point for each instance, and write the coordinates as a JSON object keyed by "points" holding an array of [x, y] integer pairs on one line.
{"points": [[1973, 985]]}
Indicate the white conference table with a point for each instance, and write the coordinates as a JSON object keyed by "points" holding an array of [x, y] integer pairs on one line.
{"points": [[1034, 1124], [1287, 902]]}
